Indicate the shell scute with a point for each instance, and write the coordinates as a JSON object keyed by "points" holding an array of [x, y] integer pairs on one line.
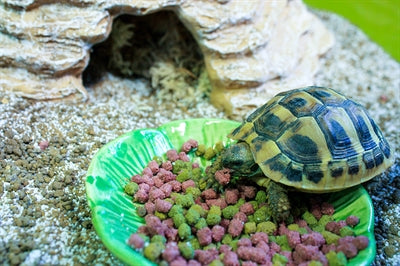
{"points": [[316, 140]]}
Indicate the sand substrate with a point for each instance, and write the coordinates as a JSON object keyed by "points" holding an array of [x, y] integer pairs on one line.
{"points": [[44, 215]]}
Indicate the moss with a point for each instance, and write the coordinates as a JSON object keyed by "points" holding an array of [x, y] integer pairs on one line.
{"points": [[261, 196], [254, 204], [279, 260], [214, 215], [159, 160], [184, 200], [226, 239], [318, 228], [141, 211], [234, 244], [195, 243], [131, 188], [315, 263], [184, 231], [216, 262], [176, 209], [180, 166], [325, 219], [282, 241], [293, 227], [266, 227], [337, 259], [230, 211], [197, 174], [201, 149], [199, 209], [210, 246], [240, 202], [178, 219], [250, 227], [346, 231], [153, 250], [209, 153], [309, 218], [261, 215], [213, 219], [161, 215], [194, 191], [330, 238], [219, 146], [184, 175], [186, 250], [158, 238], [201, 224], [192, 216]]}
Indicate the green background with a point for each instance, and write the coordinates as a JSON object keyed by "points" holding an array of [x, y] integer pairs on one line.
{"points": [[379, 19]]}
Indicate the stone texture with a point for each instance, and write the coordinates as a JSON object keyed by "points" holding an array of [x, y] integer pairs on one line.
{"points": [[252, 49]]}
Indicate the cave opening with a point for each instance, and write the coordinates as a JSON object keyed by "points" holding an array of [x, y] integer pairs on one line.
{"points": [[155, 47]]}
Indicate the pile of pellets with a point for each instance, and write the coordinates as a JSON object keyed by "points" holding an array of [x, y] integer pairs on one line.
{"points": [[187, 223]]}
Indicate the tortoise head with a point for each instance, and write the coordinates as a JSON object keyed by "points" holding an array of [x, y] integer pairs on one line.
{"points": [[239, 158]]}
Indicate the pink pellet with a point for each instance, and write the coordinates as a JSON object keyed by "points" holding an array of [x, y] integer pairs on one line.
{"points": [[247, 208], [176, 185], [183, 157], [223, 176], [136, 241], [167, 189], [327, 208], [44, 144], [156, 193], [217, 233], [154, 167], [171, 234], [205, 257], [348, 248], [171, 251], [244, 242], [231, 259], [137, 179], [145, 187], [188, 145], [195, 165], [361, 242], [147, 171], [148, 180], [231, 196], [167, 165], [158, 182], [241, 216], [248, 192], [179, 261], [162, 205], [293, 238], [259, 237], [141, 196], [220, 202], [150, 207], [204, 236], [209, 194], [172, 155], [193, 263], [313, 239], [235, 227], [188, 183], [352, 220]]}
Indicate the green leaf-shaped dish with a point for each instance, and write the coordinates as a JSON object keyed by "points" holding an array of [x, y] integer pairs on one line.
{"points": [[113, 213]]}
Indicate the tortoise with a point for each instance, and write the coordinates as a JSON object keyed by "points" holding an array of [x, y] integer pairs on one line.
{"points": [[313, 139]]}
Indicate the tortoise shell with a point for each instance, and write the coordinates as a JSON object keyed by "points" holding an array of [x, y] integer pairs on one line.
{"points": [[316, 140]]}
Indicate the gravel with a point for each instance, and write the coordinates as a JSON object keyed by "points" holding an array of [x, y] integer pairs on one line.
{"points": [[46, 147]]}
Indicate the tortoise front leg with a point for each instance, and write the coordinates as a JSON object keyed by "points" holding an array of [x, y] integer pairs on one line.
{"points": [[278, 200]]}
